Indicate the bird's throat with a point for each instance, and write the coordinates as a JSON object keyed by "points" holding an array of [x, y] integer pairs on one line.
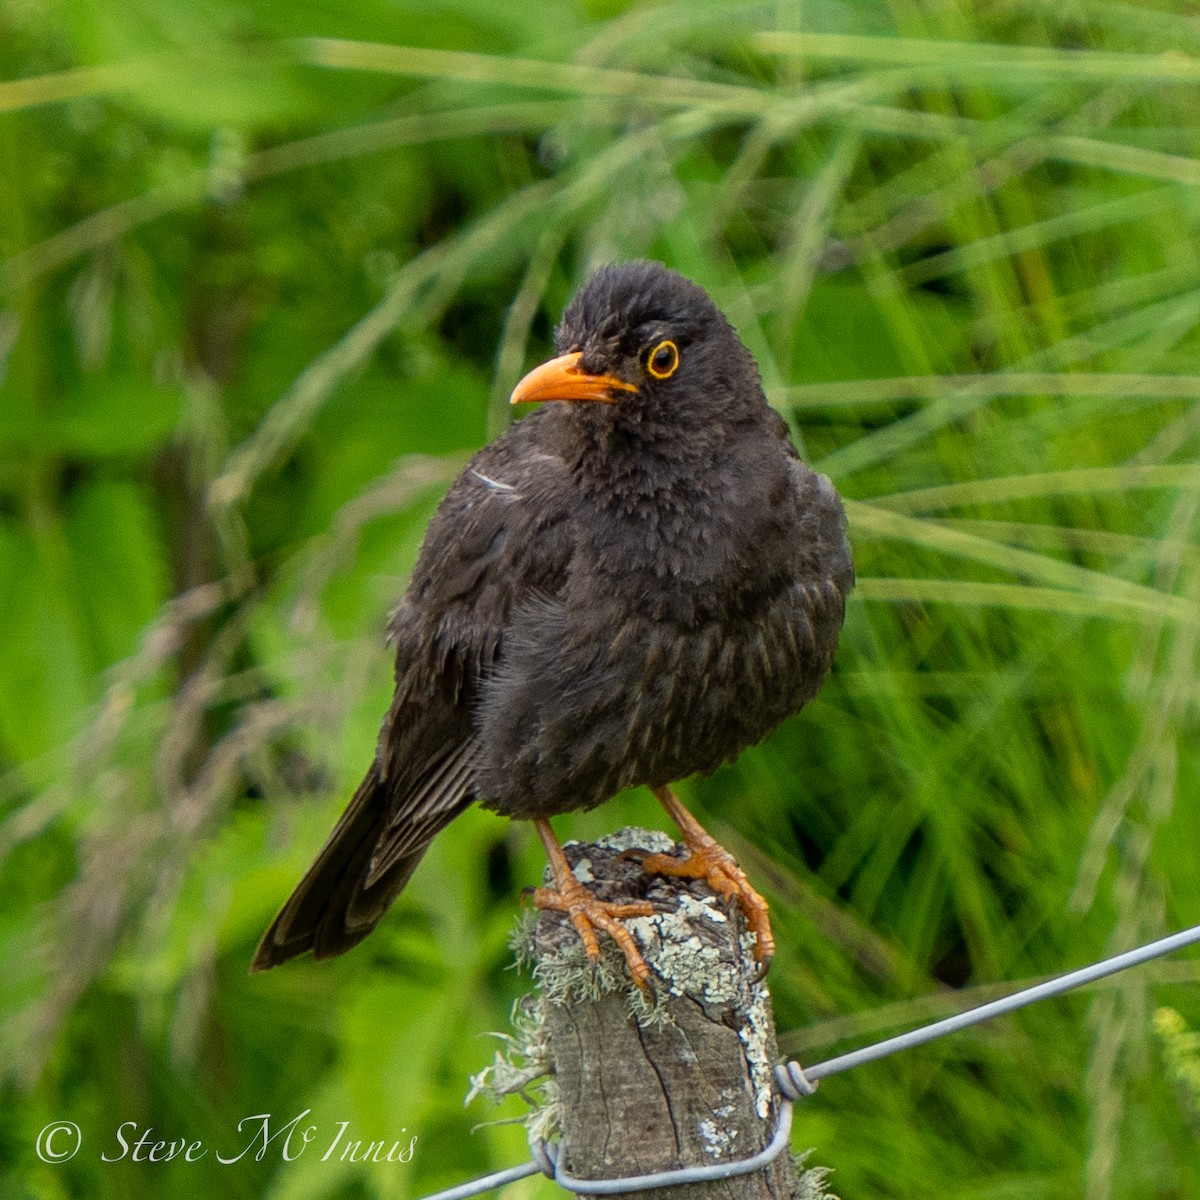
{"points": [[621, 456]]}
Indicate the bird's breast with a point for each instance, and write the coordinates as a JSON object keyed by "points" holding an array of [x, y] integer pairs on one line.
{"points": [[595, 702]]}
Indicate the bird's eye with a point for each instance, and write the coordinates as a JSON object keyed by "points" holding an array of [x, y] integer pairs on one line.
{"points": [[663, 360]]}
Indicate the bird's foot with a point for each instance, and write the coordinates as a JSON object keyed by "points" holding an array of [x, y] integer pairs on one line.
{"points": [[707, 859], [588, 914]]}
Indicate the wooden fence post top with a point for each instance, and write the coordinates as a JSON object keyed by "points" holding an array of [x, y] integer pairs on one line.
{"points": [[677, 1078]]}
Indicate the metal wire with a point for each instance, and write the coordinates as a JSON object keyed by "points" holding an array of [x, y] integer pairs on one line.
{"points": [[1039, 991], [487, 1182], [795, 1081]]}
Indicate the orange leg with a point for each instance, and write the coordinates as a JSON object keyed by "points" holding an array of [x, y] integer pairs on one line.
{"points": [[710, 861], [587, 913]]}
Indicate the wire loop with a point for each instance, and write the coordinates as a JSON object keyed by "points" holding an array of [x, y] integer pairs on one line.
{"points": [[545, 1156], [792, 1082]]}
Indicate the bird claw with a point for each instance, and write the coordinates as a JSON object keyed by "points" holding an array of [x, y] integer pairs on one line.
{"points": [[589, 913], [714, 864], [764, 965]]}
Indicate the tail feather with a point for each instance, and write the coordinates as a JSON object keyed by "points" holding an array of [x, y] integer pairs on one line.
{"points": [[331, 909]]}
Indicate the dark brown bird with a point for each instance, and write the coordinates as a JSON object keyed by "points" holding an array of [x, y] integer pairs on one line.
{"points": [[626, 588]]}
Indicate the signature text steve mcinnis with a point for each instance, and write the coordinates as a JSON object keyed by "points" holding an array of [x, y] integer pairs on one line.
{"points": [[255, 1138]]}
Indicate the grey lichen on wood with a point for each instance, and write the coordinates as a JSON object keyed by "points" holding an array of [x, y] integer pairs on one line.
{"points": [[641, 1083]]}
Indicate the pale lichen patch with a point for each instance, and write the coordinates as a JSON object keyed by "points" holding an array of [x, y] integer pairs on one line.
{"points": [[685, 962], [755, 1035], [633, 838], [523, 1067], [810, 1181], [719, 1142]]}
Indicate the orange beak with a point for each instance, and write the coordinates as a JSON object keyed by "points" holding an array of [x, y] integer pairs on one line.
{"points": [[561, 379]]}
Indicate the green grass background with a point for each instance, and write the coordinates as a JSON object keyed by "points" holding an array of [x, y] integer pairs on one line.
{"points": [[267, 275]]}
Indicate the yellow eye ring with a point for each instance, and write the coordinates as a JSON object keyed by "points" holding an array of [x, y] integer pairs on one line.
{"points": [[663, 361]]}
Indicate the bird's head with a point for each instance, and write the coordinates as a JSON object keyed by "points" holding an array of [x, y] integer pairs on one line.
{"points": [[651, 344]]}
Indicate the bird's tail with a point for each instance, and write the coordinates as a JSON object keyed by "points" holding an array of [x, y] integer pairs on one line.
{"points": [[333, 907]]}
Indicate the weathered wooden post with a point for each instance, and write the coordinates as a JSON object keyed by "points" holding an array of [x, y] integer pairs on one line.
{"points": [[681, 1078]]}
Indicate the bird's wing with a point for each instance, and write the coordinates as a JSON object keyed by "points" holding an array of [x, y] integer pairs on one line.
{"points": [[439, 797], [497, 540], [825, 545], [494, 542]]}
